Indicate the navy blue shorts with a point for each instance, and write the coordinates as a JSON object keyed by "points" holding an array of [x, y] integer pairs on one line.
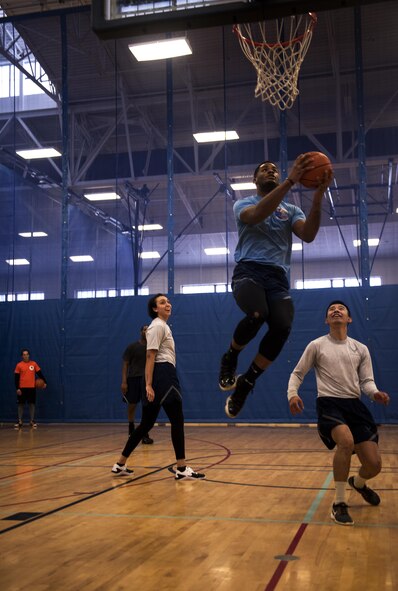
{"points": [[345, 411], [28, 395], [273, 280], [135, 390]]}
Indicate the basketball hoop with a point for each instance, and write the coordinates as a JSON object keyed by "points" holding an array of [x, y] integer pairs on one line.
{"points": [[277, 55]]}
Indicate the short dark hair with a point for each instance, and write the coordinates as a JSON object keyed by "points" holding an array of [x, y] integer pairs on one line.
{"points": [[152, 305], [23, 351], [341, 303], [261, 163]]}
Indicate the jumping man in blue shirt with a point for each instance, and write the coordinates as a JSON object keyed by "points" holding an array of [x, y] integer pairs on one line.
{"points": [[260, 281]]}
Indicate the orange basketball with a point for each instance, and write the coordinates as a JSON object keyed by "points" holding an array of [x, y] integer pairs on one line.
{"points": [[40, 384], [321, 163]]}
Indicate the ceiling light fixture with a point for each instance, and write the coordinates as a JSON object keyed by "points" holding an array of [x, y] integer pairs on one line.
{"points": [[15, 262], [160, 50], [149, 227], [32, 234], [150, 255], [215, 136], [38, 153], [81, 258], [243, 186], [371, 242], [216, 251], [109, 196]]}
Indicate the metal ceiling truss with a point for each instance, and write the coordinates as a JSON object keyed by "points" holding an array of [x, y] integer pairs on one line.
{"points": [[17, 53]]}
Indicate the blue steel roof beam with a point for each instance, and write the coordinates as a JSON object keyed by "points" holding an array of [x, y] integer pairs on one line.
{"points": [[372, 123], [155, 130], [126, 129], [17, 62]]}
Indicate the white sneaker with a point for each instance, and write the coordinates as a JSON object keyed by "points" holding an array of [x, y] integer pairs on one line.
{"points": [[188, 474], [121, 470]]}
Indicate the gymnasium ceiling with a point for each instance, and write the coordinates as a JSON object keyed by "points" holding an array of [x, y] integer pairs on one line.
{"points": [[117, 105]]}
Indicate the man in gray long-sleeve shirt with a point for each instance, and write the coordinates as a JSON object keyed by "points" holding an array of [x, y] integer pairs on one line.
{"points": [[343, 370]]}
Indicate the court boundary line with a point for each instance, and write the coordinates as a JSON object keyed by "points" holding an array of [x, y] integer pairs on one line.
{"points": [[280, 569]]}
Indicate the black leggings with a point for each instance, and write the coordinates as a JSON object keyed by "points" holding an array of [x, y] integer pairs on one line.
{"points": [[167, 394], [149, 415]]}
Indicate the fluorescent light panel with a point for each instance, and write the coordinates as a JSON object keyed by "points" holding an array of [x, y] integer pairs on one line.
{"points": [[108, 196], [160, 50], [371, 242], [215, 136], [81, 258], [216, 251], [15, 262], [297, 246], [150, 255], [150, 227], [32, 234], [38, 153], [243, 186], [145, 228]]}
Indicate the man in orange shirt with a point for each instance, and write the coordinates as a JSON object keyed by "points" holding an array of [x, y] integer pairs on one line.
{"points": [[25, 380]]}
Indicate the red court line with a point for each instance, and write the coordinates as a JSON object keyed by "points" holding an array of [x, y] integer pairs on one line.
{"points": [[283, 563]]}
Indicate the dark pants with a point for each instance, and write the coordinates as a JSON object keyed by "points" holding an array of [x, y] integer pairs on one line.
{"points": [[167, 395]]}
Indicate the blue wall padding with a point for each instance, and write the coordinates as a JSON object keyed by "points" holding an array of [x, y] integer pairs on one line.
{"points": [[83, 368]]}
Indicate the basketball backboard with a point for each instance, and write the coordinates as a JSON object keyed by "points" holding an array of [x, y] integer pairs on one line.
{"points": [[122, 18]]}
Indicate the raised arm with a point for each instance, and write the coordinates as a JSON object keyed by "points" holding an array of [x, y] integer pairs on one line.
{"points": [[254, 214], [307, 229]]}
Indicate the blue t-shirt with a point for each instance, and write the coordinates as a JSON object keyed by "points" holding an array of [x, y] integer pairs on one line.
{"points": [[270, 241]]}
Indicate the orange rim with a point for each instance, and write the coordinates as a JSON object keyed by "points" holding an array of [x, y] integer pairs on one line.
{"points": [[311, 26]]}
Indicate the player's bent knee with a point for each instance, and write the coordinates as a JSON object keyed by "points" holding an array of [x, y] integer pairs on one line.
{"points": [[247, 329], [343, 438], [375, 468]]}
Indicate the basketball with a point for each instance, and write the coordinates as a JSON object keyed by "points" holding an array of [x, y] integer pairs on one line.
{"points": [[321, 163], [40, 384]]}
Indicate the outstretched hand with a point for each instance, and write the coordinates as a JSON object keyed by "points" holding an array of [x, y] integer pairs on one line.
{"points": [[382, 398], [325, 180], [296, 405], [300, 166]]}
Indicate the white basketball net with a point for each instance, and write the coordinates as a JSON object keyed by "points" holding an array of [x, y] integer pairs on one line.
{"points": [[277, 55]]}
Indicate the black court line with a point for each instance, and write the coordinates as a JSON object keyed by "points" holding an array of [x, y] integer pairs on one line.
{"points": [[112, 488], [78, 501]]}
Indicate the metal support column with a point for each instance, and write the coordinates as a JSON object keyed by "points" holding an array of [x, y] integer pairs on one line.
{"points": [[65, 203], [136, 246], [170, 178], [364, 270]]}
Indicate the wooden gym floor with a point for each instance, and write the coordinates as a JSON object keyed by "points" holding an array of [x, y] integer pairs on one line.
{"points": [[260, 521]]}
